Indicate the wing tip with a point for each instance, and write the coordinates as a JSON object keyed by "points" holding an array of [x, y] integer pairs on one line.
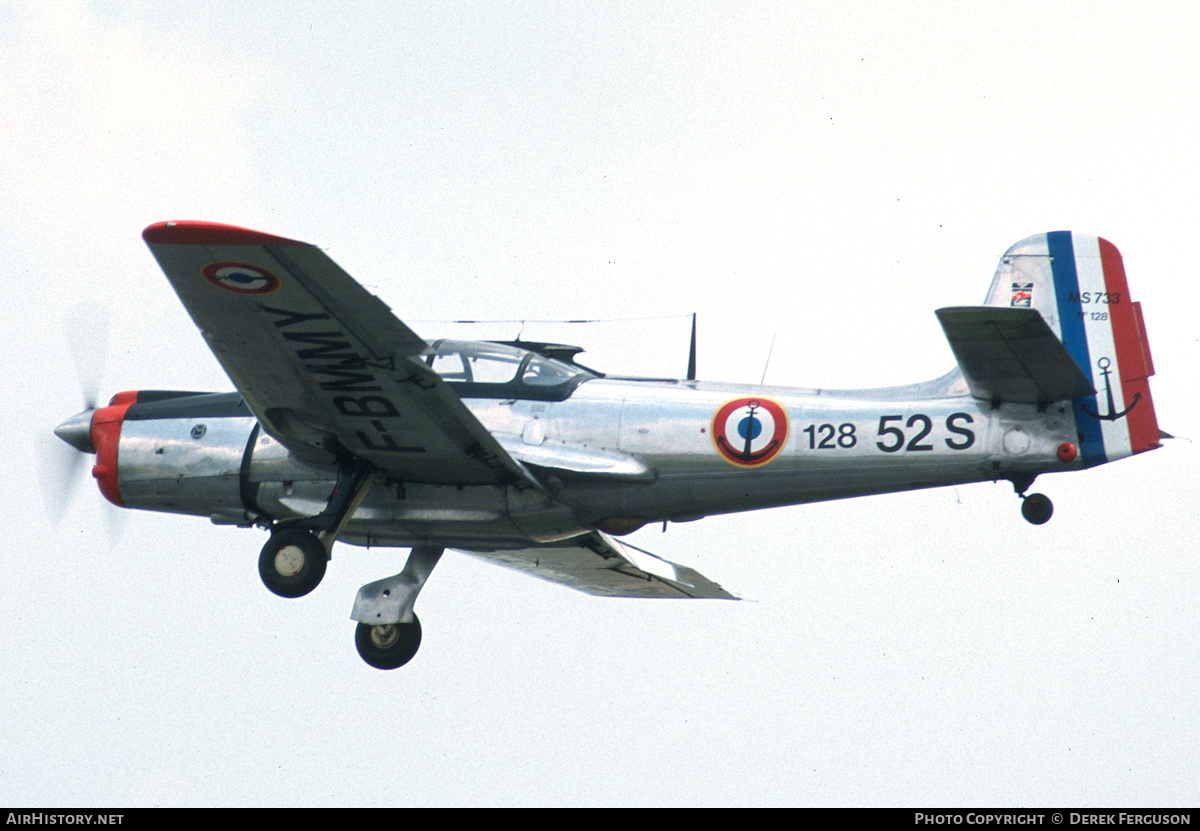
{"points": [[190, 232]]}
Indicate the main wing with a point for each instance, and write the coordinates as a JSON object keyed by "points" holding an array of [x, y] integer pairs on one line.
{"points": [[324, 364], [596, 563]]}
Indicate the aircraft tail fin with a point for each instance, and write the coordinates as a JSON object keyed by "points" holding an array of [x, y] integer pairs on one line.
{"points": [[1077, 283]]}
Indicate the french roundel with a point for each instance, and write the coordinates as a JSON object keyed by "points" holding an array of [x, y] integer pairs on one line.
{"points": [[750, 431], [241, 278]]}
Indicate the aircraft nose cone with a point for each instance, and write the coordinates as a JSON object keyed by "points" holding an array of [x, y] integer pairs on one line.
{"points": [[77, 431]]}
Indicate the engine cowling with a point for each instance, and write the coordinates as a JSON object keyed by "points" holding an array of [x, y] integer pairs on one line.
{"points": [[106, 439], [181, 452]]}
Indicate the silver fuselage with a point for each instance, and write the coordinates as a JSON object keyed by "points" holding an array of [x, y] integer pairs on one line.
{"points": [[656, 459]]}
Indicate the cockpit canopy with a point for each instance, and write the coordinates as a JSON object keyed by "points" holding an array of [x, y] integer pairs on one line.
{"points": [[482, 369]]}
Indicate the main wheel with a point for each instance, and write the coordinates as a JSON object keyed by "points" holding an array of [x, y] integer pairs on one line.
{"points": [[1037, 508], [292, 562], [388, 645]]}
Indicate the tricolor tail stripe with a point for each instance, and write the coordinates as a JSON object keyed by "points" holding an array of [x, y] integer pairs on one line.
{"points": [[1077, 283], [1101, 329]]}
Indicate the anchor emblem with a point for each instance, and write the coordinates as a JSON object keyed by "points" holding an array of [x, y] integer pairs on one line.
{"points": [[750, 431], [1111, 415]]}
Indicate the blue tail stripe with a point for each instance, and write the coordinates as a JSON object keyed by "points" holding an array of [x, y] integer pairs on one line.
{"points": [[1074, 335]]}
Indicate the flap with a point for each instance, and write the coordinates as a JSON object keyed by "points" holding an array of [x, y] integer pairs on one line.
{"points": [[595, 563]]}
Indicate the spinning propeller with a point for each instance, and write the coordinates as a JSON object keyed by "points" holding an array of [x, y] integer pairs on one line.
{"points": [[86, 331]]}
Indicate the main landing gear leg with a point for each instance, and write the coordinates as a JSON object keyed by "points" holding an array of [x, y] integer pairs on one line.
{"points": [[388, 633], [1035, 507], [293, 561]]}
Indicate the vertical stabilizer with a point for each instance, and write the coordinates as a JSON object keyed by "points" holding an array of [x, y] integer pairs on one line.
{"points": [[1077, 283]]}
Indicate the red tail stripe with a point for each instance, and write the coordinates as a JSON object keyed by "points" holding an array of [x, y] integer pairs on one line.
{"points": [[1132, 351]]}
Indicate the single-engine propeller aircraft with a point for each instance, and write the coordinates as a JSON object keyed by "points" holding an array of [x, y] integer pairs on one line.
{"points": [[346, 425]]}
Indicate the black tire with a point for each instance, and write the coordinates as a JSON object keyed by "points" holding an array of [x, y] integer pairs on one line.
{"points": [[1037, 508], [292, 562], [388, 646]]}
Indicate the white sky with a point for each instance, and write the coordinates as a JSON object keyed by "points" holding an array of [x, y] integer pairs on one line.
{"points": [[825, 173]]}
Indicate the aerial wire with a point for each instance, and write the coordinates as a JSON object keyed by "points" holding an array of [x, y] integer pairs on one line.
{"points": [[768, 363]]}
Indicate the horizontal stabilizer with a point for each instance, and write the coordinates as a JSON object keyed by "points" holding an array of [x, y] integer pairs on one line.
{"points": [[1010, 355]]}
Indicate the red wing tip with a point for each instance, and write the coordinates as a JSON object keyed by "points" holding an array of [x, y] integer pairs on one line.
{"points": [[210, 233]]}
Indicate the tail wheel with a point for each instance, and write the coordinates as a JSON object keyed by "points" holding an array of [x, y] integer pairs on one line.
{"points": [[292, 562], [388, 645], [1037, 508]]}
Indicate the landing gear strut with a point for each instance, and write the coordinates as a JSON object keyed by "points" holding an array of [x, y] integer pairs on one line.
{"points": [[388, 633], [293, 561]]}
